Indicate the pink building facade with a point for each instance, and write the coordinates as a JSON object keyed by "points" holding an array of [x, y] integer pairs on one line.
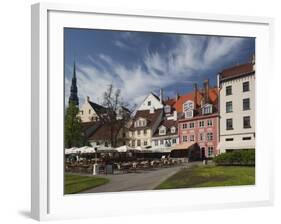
{"points": [[202, 130]]}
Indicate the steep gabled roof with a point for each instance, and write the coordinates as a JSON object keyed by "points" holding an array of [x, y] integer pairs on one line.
{"points": [[98, 108], [236, 71], [168, 124], [103, 132], [155, 96], [150, 117], [88, 128], [213, 98]]}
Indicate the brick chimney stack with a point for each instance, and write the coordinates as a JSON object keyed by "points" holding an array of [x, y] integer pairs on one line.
{"points": [[195, 95], [206, 91]]}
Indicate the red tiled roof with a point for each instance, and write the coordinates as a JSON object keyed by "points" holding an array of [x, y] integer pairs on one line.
{"points": [[213, 97], [237, 71]]}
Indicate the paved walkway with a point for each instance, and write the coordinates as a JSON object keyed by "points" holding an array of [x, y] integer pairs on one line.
{"points": [[145, 180]]}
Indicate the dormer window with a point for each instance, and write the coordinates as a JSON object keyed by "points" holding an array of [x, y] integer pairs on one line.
{"points": [[167, 109], [149, 103], [173, 129], [162, 130], [188, 105], [140, 122], [207, 109]]}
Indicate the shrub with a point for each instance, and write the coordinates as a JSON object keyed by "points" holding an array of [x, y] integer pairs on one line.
{"points": [[243, 157]]}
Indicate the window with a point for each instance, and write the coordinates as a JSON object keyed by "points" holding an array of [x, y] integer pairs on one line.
{"points": [[149, 103], [209, 122], [229, 107], [174, 140], [228, 90], [246, 122], [162, 131], [210, 151], [184, 138], [191, 138], [167, 143], [191, 125], [144, 142], [229, 125], [246, 138], [201, 124], [207, 109], [188, 114], [246, 104], [144, 131], [82, 112], [89, 111], [184, 126], [229, 139], [161, 142], [173, 129], [209, 136], [156, 142], [139, 143], [246, 87], [188, 105], [201, 136], [138, 132], [98, 143], [133, 143]]}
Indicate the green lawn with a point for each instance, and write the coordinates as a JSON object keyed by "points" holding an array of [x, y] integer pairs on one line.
{"points": [[210, 176], [75, 183]]}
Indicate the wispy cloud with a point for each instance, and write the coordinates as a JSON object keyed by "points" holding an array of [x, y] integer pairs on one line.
{"points": [[190, 56]]}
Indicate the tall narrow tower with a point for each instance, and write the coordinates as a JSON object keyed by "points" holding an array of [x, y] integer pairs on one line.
{"points": [[73, 89]]}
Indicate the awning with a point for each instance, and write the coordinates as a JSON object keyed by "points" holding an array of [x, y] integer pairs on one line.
{"points": [[184, 145]]}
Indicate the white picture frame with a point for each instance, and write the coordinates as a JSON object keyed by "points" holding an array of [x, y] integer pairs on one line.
{"points": [[48, 201]]}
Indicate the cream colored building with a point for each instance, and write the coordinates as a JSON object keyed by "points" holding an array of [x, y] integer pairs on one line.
{"points": [[237, 108], [144, 124], [91, 111]]}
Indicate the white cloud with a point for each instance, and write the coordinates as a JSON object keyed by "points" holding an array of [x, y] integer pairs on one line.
{"points": [[191, 53], [121, 45]]}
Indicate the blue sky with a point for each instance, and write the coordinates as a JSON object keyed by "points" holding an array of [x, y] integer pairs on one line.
{"points": [[142, 62]]}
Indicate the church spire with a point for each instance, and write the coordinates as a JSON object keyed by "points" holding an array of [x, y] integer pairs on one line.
{"points": [[73, 89]]}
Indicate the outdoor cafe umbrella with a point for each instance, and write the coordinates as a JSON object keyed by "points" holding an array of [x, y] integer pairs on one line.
{"points": [[72, 150], [124, 148], [86, 149]]}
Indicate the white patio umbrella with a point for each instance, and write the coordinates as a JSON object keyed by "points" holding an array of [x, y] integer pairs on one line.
{"points": [[87, 149], [124, 148], [106, 149], [72, 150]]}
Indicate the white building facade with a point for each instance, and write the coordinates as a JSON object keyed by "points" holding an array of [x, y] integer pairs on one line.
{"points": [[166, 136], [237, 108]]}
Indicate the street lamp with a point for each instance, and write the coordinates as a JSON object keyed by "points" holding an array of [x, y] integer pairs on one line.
{"points": [[96, 166]]}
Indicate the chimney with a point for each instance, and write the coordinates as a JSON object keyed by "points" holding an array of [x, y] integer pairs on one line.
{"points": [[206, 91], [175, 115], [195, 95], [161, 95], [88, 99]]}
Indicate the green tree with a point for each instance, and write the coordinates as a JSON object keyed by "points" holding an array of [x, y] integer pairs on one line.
{"points": [[72, 128]]}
